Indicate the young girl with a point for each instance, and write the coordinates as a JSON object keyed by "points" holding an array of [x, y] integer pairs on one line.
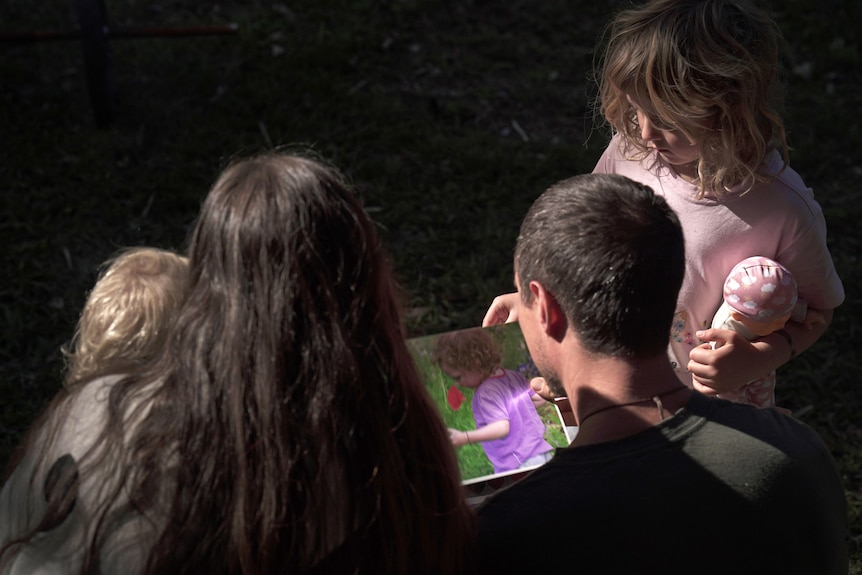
{"points": [[690, 89], [760, 297], [504, 406], [284, 428], [125, 319]]}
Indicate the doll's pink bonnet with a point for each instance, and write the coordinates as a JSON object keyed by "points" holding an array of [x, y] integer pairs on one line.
{"points": [[760, 288]]}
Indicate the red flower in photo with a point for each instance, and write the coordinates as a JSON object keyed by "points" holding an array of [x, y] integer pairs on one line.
{"points": [[455, 398]]}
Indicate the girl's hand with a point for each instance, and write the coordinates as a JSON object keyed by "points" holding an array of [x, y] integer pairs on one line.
{"points": [[504, 309], [735, 362], [457, 437]]}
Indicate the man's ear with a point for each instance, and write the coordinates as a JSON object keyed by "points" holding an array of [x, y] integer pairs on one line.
{"points": [[550, 314]]}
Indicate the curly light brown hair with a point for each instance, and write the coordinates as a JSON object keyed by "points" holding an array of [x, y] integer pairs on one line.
{"points": [[469, 349]]}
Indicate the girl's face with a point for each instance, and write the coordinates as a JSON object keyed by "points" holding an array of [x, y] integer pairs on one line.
{"points": [[463, 377], [669, 142]]}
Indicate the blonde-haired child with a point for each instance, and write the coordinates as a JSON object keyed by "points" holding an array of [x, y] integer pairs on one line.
{"points": [[504, 406], [691, 91], [125, 318]]}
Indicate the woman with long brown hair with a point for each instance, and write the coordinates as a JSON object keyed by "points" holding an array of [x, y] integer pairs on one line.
{"points": [[284, 429]]}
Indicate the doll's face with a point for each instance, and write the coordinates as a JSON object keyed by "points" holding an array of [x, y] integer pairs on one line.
{"points": [[669, 142], [765, 327]]}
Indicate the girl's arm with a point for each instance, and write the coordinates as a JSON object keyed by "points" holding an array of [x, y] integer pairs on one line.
{"points": [[739, 361], [492, 431]]}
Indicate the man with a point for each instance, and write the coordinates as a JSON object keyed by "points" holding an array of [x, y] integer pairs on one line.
{"points": [[660, 479]]}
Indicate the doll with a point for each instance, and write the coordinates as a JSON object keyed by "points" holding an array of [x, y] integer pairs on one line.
{"points": [[760, 297]]}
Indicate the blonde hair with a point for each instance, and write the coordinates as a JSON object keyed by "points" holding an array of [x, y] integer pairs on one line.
{"points": [[125, 318], [470, 349], [708, 68]]}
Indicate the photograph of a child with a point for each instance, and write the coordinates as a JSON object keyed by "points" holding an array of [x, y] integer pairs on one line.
{"points": [[479, 379]]}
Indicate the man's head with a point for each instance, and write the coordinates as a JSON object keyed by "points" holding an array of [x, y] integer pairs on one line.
{"points": [[610, 253]]}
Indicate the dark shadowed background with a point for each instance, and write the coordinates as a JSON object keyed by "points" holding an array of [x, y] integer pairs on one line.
{"points": [[448, 117]]}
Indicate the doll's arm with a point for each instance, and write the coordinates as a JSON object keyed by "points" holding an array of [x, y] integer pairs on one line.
{"points": [[796, 338], [814, 317]]}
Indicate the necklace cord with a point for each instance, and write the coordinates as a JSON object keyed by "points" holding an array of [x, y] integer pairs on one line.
{"points": [[655, 399]]}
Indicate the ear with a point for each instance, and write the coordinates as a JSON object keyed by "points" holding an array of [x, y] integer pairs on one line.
{"points": [[550, 314]]}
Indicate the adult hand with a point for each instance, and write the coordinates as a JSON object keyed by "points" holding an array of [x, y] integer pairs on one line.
{"points": [[540, 386], [504, 309], [735, 361]]}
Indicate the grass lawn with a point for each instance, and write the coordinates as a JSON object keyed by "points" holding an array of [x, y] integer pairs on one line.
{"points": [[450, 117]]}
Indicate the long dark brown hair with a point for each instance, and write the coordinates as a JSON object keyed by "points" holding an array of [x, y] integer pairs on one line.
{"points": [[286, 428]]}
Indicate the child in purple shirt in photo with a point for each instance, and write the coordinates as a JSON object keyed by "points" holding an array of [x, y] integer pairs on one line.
{"points": [[504, 406]]}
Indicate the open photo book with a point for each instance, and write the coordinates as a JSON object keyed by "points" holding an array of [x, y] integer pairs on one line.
{"points": [[461, 405]]}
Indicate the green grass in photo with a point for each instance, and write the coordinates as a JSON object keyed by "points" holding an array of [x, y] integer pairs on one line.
{"points": [[471, 458]]}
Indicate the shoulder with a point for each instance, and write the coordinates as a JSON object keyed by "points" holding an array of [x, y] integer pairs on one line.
{"points": [[782, 465], [47, 477], [493, 384], [515, 378], [760, 429], [735, 463], [68, 432], [72, 420], [784, 196], [66, 483], [504, 387], [490, 395], [618, 158]]}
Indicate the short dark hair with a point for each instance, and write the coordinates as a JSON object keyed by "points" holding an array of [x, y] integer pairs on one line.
{"points": [[612, 254]]}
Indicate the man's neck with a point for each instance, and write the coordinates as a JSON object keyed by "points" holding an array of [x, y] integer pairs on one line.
{"points": [[614, 398]]}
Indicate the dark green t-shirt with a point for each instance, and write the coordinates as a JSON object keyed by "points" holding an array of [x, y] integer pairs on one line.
{"points": [[719, 487]]}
